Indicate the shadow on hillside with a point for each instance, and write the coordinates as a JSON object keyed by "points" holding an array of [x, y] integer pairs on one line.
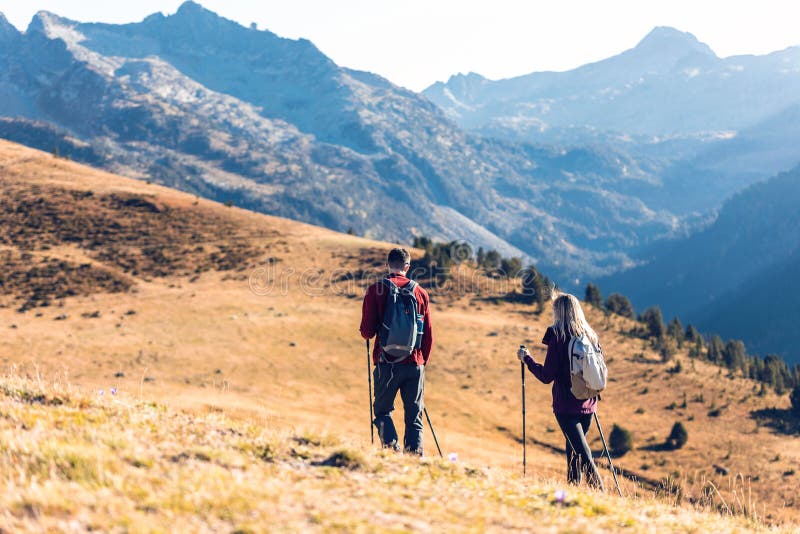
{"points": [[784, 421], [647, 483], [657, 447]]}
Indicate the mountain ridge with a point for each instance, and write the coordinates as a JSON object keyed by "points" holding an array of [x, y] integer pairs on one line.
{"points": [[702, 124], [732, 277], [287, 131]]}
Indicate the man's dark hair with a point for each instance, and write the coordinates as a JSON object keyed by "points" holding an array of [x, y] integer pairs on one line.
{"points": [[398, 258]]}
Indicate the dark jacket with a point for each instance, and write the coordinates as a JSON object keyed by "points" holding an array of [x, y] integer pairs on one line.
{"points": [[372, 317], [556, 370]]}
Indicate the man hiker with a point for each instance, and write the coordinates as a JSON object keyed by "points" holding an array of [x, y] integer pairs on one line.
{"points": [[396, 310]]}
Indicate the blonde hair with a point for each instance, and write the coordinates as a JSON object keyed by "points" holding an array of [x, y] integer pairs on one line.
{"points": [[568, 318]]}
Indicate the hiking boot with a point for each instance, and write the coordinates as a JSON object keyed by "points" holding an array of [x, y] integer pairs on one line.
{"points": [[418, 452], [393, 445]]}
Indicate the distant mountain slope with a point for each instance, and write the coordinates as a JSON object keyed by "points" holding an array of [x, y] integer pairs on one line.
{"points": [[762, 310], [735, 277], [695, 91], [203, 104], [710, 122]]}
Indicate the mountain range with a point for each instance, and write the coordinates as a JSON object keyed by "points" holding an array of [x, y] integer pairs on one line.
{"points": [[201, 103], [739, 277], [713, 125], [587, 172]]}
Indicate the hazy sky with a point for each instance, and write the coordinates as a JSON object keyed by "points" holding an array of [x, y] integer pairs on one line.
{"points": [[417, 42]]}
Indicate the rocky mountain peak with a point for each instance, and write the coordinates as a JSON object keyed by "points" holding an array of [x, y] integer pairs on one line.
{"points": [[468, 77], [7, 30], [664, 39], [45, 22], [193, 12]]}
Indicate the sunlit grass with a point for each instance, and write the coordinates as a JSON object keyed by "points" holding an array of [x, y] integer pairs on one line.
{"points": [[71, 460]]}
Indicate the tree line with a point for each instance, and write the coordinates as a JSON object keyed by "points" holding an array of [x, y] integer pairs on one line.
{"points": [[440, 258], [732, 354], [666, 338]]}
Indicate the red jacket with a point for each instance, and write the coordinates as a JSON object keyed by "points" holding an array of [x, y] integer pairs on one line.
{"points": [[372, 318]]}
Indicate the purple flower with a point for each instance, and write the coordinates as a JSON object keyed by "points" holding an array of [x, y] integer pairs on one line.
{"points": [[101, 392], [453, 457], [114, 390], [560, 495]]}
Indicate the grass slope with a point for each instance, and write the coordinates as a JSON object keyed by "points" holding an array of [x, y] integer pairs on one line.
{"points": [[227, 313], [78, 462]]}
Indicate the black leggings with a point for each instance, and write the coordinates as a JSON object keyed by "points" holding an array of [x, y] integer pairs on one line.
{"points": [[579, 455]]}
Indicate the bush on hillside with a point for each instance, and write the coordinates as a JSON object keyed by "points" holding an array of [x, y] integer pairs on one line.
{"points": [[535, 287], [678, 436], [734, 354], [654, 322], [620, 305], [795, 398], [715, 349], [593, 296], [620, 441], [675, 331]]}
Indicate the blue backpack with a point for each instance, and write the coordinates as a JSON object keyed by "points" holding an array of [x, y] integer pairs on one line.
{"points": [[402, 327]]}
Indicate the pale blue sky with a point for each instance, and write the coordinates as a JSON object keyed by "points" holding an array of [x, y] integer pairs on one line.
{"points": [[416, 42]]}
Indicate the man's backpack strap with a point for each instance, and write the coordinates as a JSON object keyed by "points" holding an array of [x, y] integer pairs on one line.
{"points": [[388, 283]]}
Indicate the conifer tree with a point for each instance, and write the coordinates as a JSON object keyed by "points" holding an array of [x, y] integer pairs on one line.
{"points": [[654, 322], [795, 398], [678, 436], [734, 354], [715, 349], [534, 287], [620, 305], [675, 331], [593, 296], [691, 333], [620, 441]]}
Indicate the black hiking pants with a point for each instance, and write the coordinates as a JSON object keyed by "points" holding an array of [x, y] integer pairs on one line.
{"points": [[579, 455], [409, 379]]}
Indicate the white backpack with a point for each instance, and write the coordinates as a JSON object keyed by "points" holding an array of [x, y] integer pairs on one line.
{"points": [[587, 369]]}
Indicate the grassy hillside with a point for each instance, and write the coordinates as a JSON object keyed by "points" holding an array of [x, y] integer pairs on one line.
{"points": [[215, 312], [78, 462]]}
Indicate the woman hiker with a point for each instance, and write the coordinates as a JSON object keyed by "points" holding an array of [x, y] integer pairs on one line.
{"points": [[574, 415]]}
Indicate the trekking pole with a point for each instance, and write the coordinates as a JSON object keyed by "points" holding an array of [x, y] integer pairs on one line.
{"points": [[428, 417], [369, 378], [608, 454], [524, 439]]}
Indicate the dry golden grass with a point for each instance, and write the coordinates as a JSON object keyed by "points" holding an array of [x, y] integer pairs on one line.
{"points": [[73, 461], [211, 347]]}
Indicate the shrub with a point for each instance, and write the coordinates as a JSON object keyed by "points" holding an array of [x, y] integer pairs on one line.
{"points": [[678, 436], [654, 322], [620, 305], [593, 296], [666, 348], [692, 334], [675, 331], [734, 354], [715, 349], [620, 441], [534, 286], [795, 398]]}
